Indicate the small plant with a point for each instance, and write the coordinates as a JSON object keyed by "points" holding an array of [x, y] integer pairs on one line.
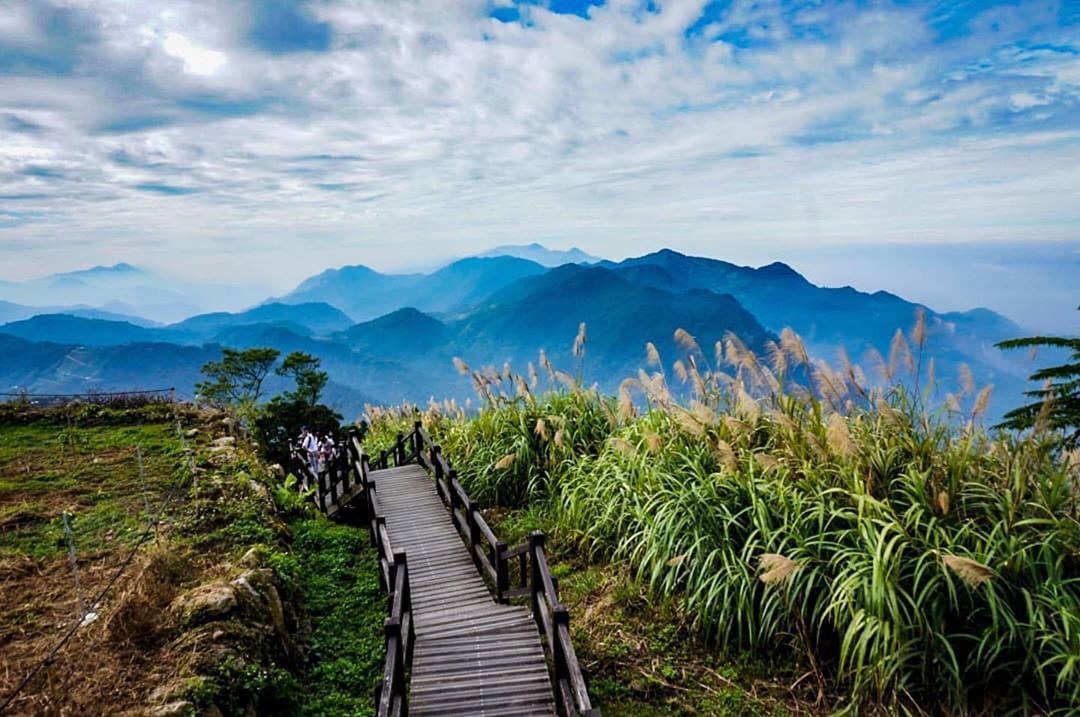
{"points": [[289, 498]]}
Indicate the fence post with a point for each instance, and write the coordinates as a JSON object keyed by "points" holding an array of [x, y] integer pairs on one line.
{"points": [[474, 527], [321, 480], [347, 468], [436, 454], [450, 489], [536, 542], [418, 442], [560, 618], [399, 450], [502, 572], [392, 631]]}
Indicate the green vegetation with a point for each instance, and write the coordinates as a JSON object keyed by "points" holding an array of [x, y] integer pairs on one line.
{"points": [[318, 652], [1057, 403], [911, 562], [236, 382], [238, 377], [91, 473], [338, 575]]}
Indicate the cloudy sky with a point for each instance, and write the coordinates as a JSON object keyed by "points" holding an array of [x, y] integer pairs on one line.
{"points": [[268, 139]]}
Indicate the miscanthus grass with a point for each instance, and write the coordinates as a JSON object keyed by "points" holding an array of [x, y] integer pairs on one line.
{"points": [[915, 562]]}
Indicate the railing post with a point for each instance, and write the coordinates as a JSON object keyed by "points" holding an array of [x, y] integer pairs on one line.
{"points": [[368, 486], [399, 450], [418, 442], [560, 616], [440, 478], [536, 541], [321, 480], [474, 527], [502, 572], [450, 489], [392, 631], [375, 525]]}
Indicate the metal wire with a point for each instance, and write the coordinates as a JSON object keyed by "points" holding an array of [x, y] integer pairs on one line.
{"points": [[51, 656]]}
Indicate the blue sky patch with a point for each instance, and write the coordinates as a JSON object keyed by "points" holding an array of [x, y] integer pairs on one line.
{"points": [[168, 189], [284, 26], [126, 125]]}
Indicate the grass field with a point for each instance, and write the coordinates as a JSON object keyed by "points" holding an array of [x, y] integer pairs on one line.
{"points": [[229, 518]]}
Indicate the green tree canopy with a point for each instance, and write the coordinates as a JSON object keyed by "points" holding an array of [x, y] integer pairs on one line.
{"points": [[310, 381], [1058, 401], [238, 377]]}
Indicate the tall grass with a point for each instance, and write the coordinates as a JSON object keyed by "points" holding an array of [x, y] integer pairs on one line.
{"points": [[917, 563]]}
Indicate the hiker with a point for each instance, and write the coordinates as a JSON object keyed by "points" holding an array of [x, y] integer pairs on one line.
{"points": [[329, 450], [310, 445]]}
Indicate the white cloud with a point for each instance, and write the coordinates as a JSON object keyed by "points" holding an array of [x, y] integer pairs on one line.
{"points": [[431, 129], [197, 60]]}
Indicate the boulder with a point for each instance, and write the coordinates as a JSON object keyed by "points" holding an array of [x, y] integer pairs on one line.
{"points": [[179, 708], [205, 603]]}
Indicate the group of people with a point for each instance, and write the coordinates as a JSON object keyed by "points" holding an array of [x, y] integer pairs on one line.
{"points": [[320, 451]]}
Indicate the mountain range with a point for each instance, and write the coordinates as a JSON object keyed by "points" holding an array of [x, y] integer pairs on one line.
{"points": [[387, 337], [122, 291]]}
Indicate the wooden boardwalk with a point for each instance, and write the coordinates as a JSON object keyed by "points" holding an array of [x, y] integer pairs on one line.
{"points": [[472, 656], [455, 645]]}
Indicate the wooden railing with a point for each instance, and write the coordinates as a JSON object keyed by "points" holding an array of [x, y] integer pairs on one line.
{"points": [[531, 576], [390, 695], [493, 558], [331, 484]]}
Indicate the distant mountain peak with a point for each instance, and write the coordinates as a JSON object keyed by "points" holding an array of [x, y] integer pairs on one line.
{"points": [[537, 252], [119, 269], [779, 270]]}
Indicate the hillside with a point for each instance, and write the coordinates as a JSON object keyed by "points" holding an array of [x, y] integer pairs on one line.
{"points": [[213, 608], [77, 330], [366, 294], [315, 317], [544, 313]]}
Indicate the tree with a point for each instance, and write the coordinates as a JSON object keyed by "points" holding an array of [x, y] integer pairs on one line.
{"points": [[1058, 404], [304, 369], [238, 377]]}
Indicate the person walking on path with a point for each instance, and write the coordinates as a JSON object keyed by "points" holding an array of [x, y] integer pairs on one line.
{"points": [[310, 444]]}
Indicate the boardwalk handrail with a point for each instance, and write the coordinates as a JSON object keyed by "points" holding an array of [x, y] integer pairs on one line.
{"points": [[390, 700], [390, 694], [493, 559]]}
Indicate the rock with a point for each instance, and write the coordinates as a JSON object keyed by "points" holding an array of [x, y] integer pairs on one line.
{"points": [[224, 441], [277, 471], [191, 433], [205, 603], [179, 708], [253, 558], [259, 585], [260, 490], [170, 692]]}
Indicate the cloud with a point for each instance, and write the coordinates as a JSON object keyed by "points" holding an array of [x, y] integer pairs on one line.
{"points": [[303, 135]]}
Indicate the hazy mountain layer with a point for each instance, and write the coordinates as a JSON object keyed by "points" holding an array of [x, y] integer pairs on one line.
{"points": [[493, 310]]}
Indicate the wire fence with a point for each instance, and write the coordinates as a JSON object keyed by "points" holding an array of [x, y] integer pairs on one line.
{"points": [[87, 611], [115, 399]]}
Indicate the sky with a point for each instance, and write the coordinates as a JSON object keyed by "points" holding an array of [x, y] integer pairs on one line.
{"points": [[263, 141]]}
